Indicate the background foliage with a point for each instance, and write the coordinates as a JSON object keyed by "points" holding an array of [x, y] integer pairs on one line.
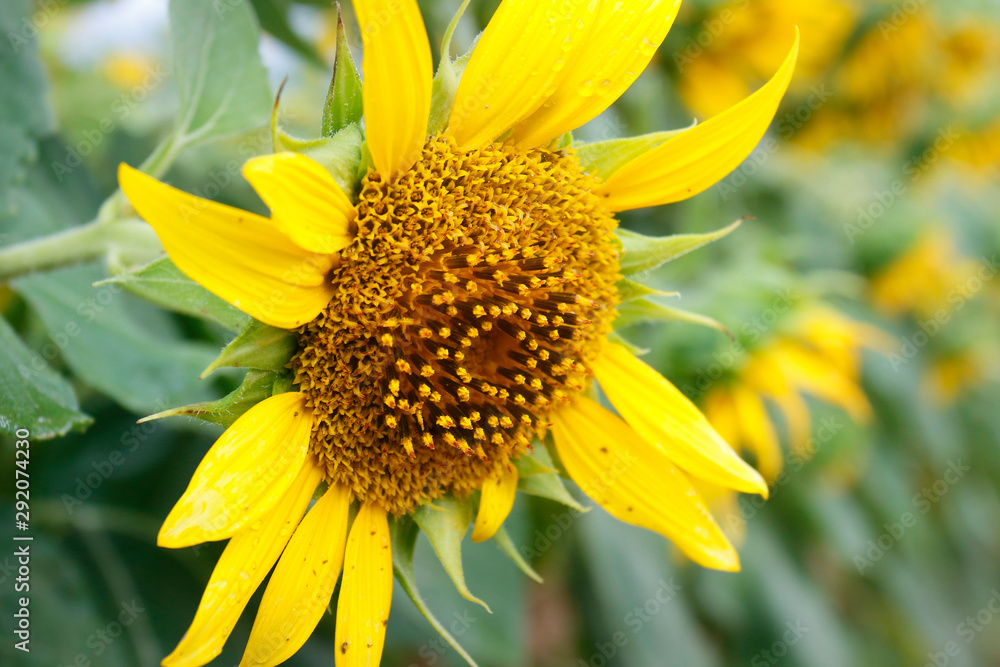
{"points": [[879, 545]]}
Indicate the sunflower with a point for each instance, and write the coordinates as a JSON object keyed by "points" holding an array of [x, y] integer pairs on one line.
{"points": [[451, 313]]}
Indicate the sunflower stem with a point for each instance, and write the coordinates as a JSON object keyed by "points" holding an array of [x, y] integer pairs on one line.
{"points": [[73, 246]]}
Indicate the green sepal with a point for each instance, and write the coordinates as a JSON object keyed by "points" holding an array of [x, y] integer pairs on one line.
{"points": [[256, 387], [603, 158], [343, 101], [259, 346], [404, 534], [446, 79], [616, 337], [340, 153], [630, 289], [529, 465], [445, 522], [506, 545], [645, 253], [644, 310], [162, 283], [548, 484]]}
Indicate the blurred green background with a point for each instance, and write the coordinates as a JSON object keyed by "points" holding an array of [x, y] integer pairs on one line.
{"points": [[875, 196]]}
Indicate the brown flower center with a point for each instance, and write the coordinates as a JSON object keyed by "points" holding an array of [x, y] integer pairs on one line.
{"points": [[478, 287]]}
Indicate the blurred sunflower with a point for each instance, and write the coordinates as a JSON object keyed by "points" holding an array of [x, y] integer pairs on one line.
{"points": [[923, 279], [459, 308], [818, 354], [928, 282], [746, 45]]}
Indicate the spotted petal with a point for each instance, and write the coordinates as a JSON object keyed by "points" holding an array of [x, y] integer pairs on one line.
{"points": [[243, 475], [664, 416], [300, 588], [365, 592], [636, 482], [243, 565]]}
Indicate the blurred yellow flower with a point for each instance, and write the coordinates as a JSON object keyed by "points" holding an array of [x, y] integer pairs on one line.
{"points": [[128, 70], [740, 43], [924, 279], [818, 355]]}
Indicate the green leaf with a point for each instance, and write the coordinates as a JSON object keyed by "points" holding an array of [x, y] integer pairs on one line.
{"points": [[258, 346], [404, 540], [603, 158], [343, 101], [630, 289], [644, 310], [32, 395], [548, 484], [339, 154], [445, 522], [644, 253], [222, 81], [502, 540], [256, 386], [24, 112], [123, 347], [446, 78], [163, 283], [273, 17]]}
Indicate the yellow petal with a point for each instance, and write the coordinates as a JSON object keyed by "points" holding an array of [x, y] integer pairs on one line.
{"points": [[300, 588], [620, 42], [243, 565], [661, 414], [366, 592], [306, 203], [238, 256], [635, 482], [495, 503], [244, 473], [758, 431], [696, 159], [398, 78], [515, 66]]}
